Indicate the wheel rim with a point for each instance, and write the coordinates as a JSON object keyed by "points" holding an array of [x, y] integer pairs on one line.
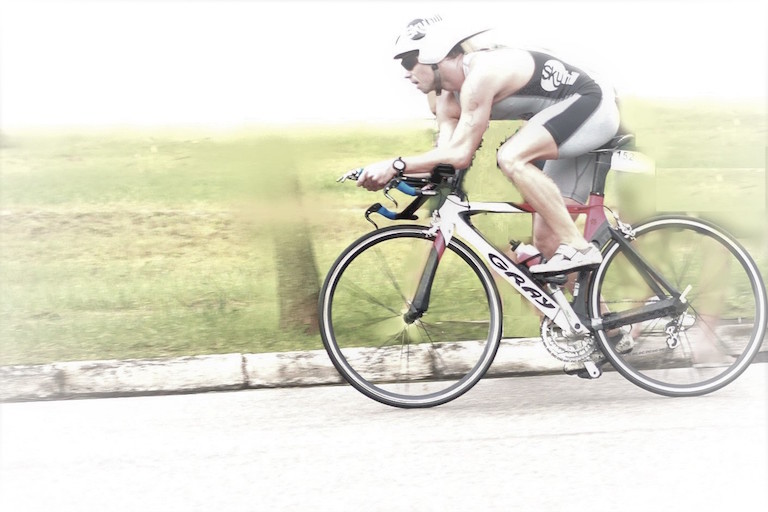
{"points": [[430, 361], [721, 331]]}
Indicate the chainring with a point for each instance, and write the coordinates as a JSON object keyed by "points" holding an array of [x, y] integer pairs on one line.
{"points": [[569, 350]]}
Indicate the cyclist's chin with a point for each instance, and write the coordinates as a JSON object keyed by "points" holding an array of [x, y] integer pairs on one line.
{"points": [[425, 88]]}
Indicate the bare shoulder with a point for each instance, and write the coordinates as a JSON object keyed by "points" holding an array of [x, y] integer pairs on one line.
{"points": [[503, 60], [507, 69]]}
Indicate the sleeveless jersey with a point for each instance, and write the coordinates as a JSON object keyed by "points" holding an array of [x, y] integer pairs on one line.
{"points": [[552, 82]]}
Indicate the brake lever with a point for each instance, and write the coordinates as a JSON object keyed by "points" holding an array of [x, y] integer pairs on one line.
{"points": [[354, 174], [392, 184], [374, 208]]}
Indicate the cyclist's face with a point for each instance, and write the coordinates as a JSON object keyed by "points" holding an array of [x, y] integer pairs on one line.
{"points": [[420, 75]]}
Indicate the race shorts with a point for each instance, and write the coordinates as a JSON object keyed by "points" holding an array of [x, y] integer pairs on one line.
{"points": [[579, 125], [573, 176]]}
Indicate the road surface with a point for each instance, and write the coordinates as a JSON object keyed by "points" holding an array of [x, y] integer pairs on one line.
{"points": [[529, 444]]}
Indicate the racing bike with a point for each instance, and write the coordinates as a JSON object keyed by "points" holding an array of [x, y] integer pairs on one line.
{"points": [[411, 316]]}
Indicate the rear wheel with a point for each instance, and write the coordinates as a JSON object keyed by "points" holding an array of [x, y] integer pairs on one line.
{"points": [[431, 360], [714, 340]]}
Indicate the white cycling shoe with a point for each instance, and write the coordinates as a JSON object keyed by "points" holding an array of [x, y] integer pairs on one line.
{"points": [[567, 259]]}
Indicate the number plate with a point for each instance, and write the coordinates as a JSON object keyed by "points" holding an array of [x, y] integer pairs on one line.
{"points": [[632, 161]]}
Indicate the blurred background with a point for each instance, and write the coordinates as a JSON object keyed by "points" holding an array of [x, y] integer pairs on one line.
{"points": [[167, 169], [243, 62]]}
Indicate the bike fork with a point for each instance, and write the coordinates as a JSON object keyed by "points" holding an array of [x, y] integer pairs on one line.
{"points": [[420, 302]]}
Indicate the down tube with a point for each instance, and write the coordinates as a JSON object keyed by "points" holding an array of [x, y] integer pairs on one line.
{"points": [[505, 268]]}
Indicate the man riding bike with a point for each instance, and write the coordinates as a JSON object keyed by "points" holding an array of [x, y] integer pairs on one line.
{"points": [[568, 114]]}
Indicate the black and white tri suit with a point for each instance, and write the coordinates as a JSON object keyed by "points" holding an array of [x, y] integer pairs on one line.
{"points": [[579, 111]]}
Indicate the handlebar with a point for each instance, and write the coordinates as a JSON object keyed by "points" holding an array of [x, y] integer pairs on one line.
{"points": [[411, 191], [420, 188], [401, 183]]}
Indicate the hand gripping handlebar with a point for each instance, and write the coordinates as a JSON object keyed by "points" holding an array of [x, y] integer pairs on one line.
{"points": [[398, 183]]}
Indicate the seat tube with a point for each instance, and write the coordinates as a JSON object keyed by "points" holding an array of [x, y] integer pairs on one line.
{"points": [[596, 215], [602, 166]]}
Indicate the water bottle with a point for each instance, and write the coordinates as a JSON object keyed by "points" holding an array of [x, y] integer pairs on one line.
{"points": [[527, 254]]}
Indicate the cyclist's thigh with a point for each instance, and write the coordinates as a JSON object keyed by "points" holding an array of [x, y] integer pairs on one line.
{"points": [[580, 124], [573, 176]]}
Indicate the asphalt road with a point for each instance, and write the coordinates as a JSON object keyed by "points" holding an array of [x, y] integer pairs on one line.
{"points": [[530, 444]]}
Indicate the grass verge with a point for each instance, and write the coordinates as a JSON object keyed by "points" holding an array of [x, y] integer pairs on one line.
{"points": [[157, 243]]}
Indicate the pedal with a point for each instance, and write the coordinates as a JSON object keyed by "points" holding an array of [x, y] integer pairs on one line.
{"points": [[587, 370], [591, 371], [556, 279]]}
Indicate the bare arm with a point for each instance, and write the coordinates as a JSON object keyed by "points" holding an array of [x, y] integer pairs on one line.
{"points": [[461, 130], [448, 111], [462, 125]]}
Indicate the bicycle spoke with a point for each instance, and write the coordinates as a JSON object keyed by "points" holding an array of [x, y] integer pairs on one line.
{"points": [[435, 352], [418, 364], [392, 340], [374, 321], [364, 294], [392, 279], [677, 275], [712, 339], [710, 329]]}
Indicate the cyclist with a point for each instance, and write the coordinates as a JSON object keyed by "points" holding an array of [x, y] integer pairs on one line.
{"points": [[568, 114]]}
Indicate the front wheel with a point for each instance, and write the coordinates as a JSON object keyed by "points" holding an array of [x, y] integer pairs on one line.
{"points": [[390, 356], [711, 342]]}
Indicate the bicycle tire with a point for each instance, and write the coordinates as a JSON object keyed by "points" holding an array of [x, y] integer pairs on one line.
{"points": [[721, 331], [435, 359]]}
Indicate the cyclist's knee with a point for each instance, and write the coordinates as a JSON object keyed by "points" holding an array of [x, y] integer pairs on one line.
{"points": [[510, 163]]}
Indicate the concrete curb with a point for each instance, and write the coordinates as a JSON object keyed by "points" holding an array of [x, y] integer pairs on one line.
{"points": [[137, 377], [226, 372]]}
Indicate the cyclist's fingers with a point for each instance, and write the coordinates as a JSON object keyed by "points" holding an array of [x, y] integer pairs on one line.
{"points": [[368, 181], [362, 179]]}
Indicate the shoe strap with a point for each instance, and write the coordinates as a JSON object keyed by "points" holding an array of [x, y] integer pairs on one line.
{"points": [[567, 251]]}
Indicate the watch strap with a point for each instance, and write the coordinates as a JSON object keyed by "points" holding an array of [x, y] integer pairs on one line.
{"points": [[400, 168]]}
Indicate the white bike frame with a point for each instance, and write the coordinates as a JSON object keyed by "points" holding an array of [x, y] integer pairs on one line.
{"points": [[450, 220]]}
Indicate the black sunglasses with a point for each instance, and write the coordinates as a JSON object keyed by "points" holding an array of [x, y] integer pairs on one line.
{"points": [[409, 62]]}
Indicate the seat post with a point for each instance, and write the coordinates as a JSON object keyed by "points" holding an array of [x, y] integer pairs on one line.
{"points": [[604, 159], [602, 166]]}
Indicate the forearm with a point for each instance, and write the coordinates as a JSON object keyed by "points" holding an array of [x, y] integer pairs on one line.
{"points": [[452, 149], [424, 163], [376, 176], [457, 142], [456, 147]]}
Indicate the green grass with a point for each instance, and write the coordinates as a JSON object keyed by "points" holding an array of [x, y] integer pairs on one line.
{"points": [[155, 243]]}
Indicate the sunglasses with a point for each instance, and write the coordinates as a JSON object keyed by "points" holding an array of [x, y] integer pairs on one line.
{"points": [[409, 62]]}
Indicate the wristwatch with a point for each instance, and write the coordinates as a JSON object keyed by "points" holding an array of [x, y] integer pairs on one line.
{"points": [[399, 165]]}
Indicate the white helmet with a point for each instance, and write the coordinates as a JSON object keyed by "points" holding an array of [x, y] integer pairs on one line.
{"points": [[433, 38]]}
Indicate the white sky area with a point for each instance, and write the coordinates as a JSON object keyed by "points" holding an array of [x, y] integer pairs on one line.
{"points": [[250, 62]]}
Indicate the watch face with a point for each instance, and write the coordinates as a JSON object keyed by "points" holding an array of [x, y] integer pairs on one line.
{"points": [[399, 165]]}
